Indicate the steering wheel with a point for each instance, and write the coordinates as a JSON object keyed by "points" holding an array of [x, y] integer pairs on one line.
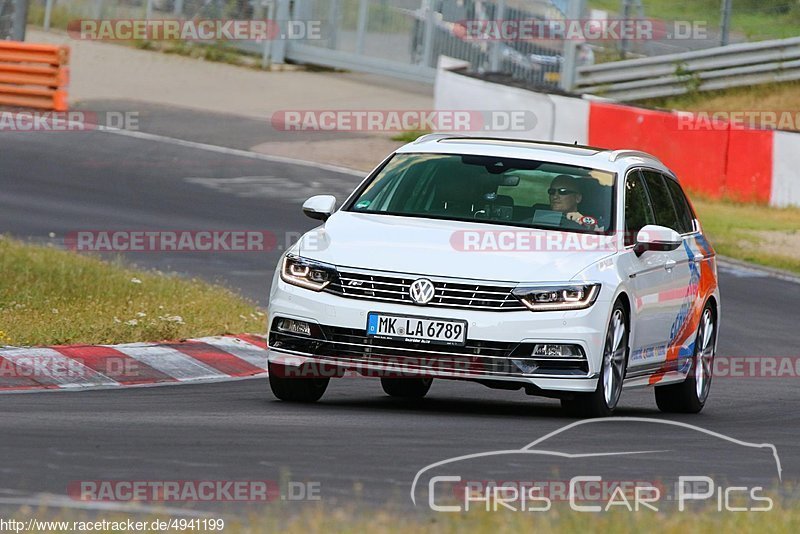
{"points": [[569, 223]]}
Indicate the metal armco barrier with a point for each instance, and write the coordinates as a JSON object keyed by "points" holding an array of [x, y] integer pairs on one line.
{"points": [[704, 70], [33, 75]]}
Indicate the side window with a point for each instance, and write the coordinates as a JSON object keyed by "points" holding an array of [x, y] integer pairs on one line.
{"points": [[685, 215], [661, 200], [637, 207]]}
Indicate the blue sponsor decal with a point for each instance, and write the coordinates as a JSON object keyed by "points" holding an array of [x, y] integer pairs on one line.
{"points": [[692, 290]]}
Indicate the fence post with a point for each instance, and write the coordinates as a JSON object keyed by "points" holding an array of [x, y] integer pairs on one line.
{"points": [[570, 64], [20, 20], [278, 51], [333, 23], [148, 10], [178, 10], [727, 6], [48, 11], [361, 31], [266, 51], [499, 16], [427, 43]]}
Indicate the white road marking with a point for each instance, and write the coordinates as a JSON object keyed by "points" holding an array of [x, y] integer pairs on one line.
{"points": [[230, 151]]}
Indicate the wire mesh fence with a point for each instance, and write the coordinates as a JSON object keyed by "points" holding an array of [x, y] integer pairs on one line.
{"points": [[6, 18], [409, 33], [686, 25], [406, 37]]}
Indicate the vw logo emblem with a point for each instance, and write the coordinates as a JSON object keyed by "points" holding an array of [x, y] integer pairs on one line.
{"points": [[421, 291]]}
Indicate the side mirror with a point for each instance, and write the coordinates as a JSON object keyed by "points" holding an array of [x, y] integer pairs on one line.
{"points": [[658, 238], [320, 207]]}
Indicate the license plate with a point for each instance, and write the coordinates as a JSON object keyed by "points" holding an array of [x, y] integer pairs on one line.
{"points": [[417, 329]]}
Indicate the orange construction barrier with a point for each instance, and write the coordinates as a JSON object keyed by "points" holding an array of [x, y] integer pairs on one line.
{"points": [[34, 75]]}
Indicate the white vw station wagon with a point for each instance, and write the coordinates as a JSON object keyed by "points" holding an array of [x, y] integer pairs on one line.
{"points": [[565, 271]]}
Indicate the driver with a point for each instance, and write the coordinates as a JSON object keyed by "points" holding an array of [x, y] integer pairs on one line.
{"points": [[565, 195]]}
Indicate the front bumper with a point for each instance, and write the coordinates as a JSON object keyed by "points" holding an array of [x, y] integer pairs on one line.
{"points": [[497, 342]]}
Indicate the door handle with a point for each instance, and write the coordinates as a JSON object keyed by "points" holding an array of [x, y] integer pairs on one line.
{"points": [[669, 264]]}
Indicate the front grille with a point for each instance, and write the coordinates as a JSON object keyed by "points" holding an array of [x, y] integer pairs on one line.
{"points": [[352, 347], [447, 294]]}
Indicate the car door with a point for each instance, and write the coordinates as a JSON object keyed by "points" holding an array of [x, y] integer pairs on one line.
{"points": [[647, 277], [693, 272], [674, 292]]}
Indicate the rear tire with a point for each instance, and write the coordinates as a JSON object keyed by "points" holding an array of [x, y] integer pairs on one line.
{"points": [[298, 388], [691, 395], [603, 401], [407, 388]]}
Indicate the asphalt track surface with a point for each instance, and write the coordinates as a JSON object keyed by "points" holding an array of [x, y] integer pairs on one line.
{"points": [[360, 445]]}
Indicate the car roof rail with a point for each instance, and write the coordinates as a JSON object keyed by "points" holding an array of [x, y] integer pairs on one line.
{"points": [[459, 137], [617, 154], [431, 137]]}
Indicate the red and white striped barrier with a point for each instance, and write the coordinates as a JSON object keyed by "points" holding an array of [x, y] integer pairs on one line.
{"points": [[73, 367], [712, 157]]}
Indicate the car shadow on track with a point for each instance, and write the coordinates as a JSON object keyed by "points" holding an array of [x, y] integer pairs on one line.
{"points": [[453, 406]]}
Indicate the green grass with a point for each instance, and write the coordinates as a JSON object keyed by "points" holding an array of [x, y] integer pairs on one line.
{"points": [[753, 19], [219, 52], [50, 296], [558, 520], [777, 97], [409, 136], [758, 234], [288, 519]]}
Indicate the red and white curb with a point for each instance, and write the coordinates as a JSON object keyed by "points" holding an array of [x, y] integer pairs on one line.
{"points": [[74, 367]]}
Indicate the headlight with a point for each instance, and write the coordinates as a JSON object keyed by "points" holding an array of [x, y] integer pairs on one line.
{"points": [[557, 297], [306, 273]]}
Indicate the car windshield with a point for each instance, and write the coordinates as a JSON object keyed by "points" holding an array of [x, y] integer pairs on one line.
{"points": [[513, 192]]}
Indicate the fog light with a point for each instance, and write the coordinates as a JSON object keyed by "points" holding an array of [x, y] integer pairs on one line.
{"points": [[526, 366], [294, 327], [547, 350]]}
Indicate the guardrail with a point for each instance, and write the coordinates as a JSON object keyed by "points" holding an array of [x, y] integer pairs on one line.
{"points": [[33, 75], [703, 70]]}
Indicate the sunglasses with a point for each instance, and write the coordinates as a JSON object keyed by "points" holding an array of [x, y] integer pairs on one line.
{"points": [[561, 191]]}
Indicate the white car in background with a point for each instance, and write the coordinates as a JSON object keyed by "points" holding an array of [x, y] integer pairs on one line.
{"points": [[565, 271]]}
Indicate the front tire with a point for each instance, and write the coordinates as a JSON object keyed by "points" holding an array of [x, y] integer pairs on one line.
{"points": [[603, 401], [407, 388], [298, 388], [690, 395]]}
